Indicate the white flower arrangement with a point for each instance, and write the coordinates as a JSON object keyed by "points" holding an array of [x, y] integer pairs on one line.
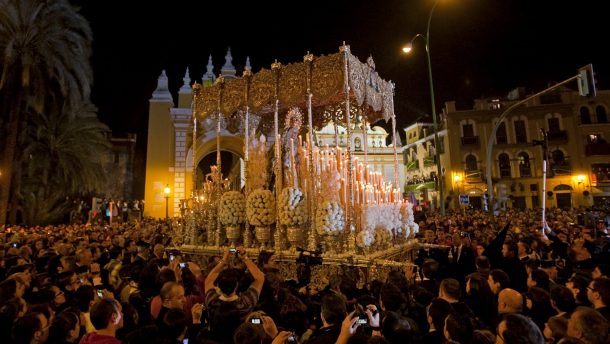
{"points": [[232, 208], [260, 208], [292, 207], [385, 215], [408, 219], [329, 218], [365, 239]]}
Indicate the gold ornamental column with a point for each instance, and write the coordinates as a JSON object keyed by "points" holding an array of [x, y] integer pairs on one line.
{"points": [[275, 67], [312, 238], [220, 82], [350, 184], [248, 76]]}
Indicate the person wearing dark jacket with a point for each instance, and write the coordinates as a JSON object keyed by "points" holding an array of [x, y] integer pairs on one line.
{"points": [[333, 312]]}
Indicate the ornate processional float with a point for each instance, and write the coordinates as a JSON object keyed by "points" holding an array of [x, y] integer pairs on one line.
{"points": [[298, 195]]}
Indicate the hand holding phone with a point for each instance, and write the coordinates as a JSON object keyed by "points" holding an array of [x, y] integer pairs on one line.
{"points": [[184, 265], [256, 321]]}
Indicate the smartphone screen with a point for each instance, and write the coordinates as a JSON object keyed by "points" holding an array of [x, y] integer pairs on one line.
{"points": [[256, 321], [232, 250], [171, 257], [100, 293], [184, 265]]}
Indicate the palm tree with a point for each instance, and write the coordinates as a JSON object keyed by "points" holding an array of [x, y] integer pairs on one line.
{"points": [[62, 157], [44, 53]]}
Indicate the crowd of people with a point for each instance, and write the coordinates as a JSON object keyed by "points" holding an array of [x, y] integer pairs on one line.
{"points": [[489, 279]]}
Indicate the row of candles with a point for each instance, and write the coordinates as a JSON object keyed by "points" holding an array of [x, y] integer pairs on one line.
{"points": [[369, 187]]}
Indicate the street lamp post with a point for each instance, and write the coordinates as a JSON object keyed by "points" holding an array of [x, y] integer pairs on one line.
{"points": [[166, 192], [437, 159]]}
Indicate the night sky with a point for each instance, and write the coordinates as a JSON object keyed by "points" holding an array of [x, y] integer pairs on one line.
{"points": [[478, 48]]}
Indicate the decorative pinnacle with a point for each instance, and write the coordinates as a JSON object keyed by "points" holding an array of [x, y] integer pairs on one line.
{"points": [[308, 57], [344, 48], [276, 65], [248, 66]]}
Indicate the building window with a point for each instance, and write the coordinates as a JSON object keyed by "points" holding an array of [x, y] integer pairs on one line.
{"points": [[471, 162], [585, 116], [602, 116], [533, 187], [524, 165], [504, 164], [600, 173], [560, 164], [520, 132], [501, 137], [468, 130], [535, 202], [554, 124]]}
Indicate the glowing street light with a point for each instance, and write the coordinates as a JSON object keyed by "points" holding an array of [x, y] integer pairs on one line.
{"points": [[166, 192]]}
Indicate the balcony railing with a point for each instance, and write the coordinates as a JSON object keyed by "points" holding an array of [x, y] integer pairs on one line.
{"points": [[473, 175], [558, 135], [562, 168], [597, 149], [521, 138], [429, 161], [413, 165], [525, 171], [470, 141]]}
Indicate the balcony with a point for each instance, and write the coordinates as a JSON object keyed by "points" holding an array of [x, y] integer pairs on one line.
{"points": [[470, 141], [429, 161], [558, 136], [474, 175], [562, 168], [521, 139], [597, 149], [413, 165]]}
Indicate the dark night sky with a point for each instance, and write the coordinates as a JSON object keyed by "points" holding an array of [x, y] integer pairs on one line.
{"points": [[478, 48]]}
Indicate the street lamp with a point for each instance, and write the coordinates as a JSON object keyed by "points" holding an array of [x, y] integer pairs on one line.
{"points": [[166, 192], [407, 49]]}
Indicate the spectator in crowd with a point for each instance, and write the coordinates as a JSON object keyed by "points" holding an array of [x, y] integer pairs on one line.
{"points": [[555, 329], [517, 329], [598, 293], [107, 318], [32, 328], [498, 280], [589, 326], [562, 301], [437, 312], [510, 301]]}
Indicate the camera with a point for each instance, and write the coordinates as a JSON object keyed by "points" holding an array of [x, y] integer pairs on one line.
{"points": [[256, 321], [363, 318], [291, 339], [309, 258], [184, 265], [100, 293], [14, 244]]}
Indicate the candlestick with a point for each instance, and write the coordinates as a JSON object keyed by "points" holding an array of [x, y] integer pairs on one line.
{"points": [[293, 165]]}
